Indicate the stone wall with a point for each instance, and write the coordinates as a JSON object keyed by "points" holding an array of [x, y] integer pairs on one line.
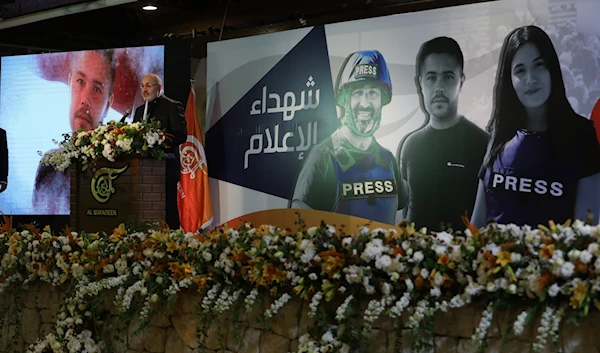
{"points": [[173, 329]]}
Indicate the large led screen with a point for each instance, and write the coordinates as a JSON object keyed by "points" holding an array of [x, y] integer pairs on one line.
{"points": [[44, 96]]}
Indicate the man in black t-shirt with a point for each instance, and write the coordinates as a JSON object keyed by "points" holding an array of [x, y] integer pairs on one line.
{"points": [[440, 161]]}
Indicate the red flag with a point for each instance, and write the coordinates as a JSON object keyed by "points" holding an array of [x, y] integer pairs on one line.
{"points": [[595, 117], [193, 190]]}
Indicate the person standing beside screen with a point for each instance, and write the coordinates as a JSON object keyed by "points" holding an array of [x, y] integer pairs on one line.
{"points": [[170, 114], [90, 84], [3, 161], [440, 162], [543, 159]]}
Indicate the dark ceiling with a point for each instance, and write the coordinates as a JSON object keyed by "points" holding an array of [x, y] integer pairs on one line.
{"points": [[188, 21]]}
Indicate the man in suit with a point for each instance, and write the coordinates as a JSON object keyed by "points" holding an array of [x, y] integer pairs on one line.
{"points": [[3, 161], [170, 114], [167, 111]]}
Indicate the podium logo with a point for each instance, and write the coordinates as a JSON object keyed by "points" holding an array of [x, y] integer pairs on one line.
{"points": [[102, 183], [192, 157]]}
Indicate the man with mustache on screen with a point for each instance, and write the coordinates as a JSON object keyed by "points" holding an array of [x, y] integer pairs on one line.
{"points": [[349, 172], [441, 160], [90, 84]]}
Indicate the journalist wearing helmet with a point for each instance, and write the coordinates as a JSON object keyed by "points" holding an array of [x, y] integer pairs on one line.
{"points": [[349, 172]]}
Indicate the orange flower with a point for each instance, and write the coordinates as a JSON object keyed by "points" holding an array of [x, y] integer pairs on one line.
{"points": [[201, 281], [398, 251], [579, 294], [581, 267], [419, 282], [542, 282], [272, 274], [443, 260], [238, 255], [547, 251], [175, 269], [447, 281], [508, 246]]}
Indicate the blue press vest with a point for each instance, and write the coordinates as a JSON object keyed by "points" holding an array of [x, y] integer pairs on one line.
{"points": [[373, 206]]}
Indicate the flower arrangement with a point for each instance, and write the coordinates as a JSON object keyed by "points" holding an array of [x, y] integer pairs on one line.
{"points": [[552, 271], [108, 142]]}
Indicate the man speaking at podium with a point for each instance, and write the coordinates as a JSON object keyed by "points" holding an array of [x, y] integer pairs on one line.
{"points": [[167, 111], [170, 114]]}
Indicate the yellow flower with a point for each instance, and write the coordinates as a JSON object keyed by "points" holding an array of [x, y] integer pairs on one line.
{"points": [[172, 246], [503, 258], [47, 229], [579, 293], [256, 243]]}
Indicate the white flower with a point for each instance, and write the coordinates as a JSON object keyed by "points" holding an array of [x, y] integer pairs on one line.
{"points": [[354, 274], [573, 255], [435, 292], [346, 242], [383, 262], [327, 337], [409, 285], [585, 257], [373, 250], [386, 288], [207, 256], [566, 270], [593, 248], [108, 268], [418, 256], [553, 290]]}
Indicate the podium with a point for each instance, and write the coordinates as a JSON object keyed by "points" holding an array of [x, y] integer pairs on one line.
{"points": [[107, 194]]}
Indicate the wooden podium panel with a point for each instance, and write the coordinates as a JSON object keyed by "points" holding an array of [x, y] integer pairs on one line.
{"points": [[107, 194]]}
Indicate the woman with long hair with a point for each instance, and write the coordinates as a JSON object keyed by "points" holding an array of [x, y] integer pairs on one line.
{"points": [[543, 159]]}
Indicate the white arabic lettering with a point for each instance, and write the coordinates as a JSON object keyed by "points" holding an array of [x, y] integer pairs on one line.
{"points": [[273, 146], [287, 106]]}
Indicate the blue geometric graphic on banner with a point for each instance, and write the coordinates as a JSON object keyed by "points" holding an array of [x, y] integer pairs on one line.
{"points": [[262, 141]]}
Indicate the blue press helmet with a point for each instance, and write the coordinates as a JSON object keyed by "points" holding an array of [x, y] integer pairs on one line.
{"points": [[367, 66]]}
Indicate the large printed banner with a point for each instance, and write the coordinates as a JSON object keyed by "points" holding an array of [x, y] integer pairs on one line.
{"points": [[479, 112]]}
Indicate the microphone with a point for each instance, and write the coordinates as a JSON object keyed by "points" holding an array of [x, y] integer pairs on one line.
{"points": [[125, 116]]}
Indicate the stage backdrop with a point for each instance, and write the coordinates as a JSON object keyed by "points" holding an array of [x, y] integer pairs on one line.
{"points": [[41, 98], [336, 118]]}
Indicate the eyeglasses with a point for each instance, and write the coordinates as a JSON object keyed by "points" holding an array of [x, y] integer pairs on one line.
{"points": [[147, 85]]}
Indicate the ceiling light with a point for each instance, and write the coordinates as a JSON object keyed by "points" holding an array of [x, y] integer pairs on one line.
{"points": [[150, 8]]}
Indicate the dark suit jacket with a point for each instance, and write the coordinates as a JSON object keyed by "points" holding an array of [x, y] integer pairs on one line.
{"points": [[170, 113], [3, 157]]}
